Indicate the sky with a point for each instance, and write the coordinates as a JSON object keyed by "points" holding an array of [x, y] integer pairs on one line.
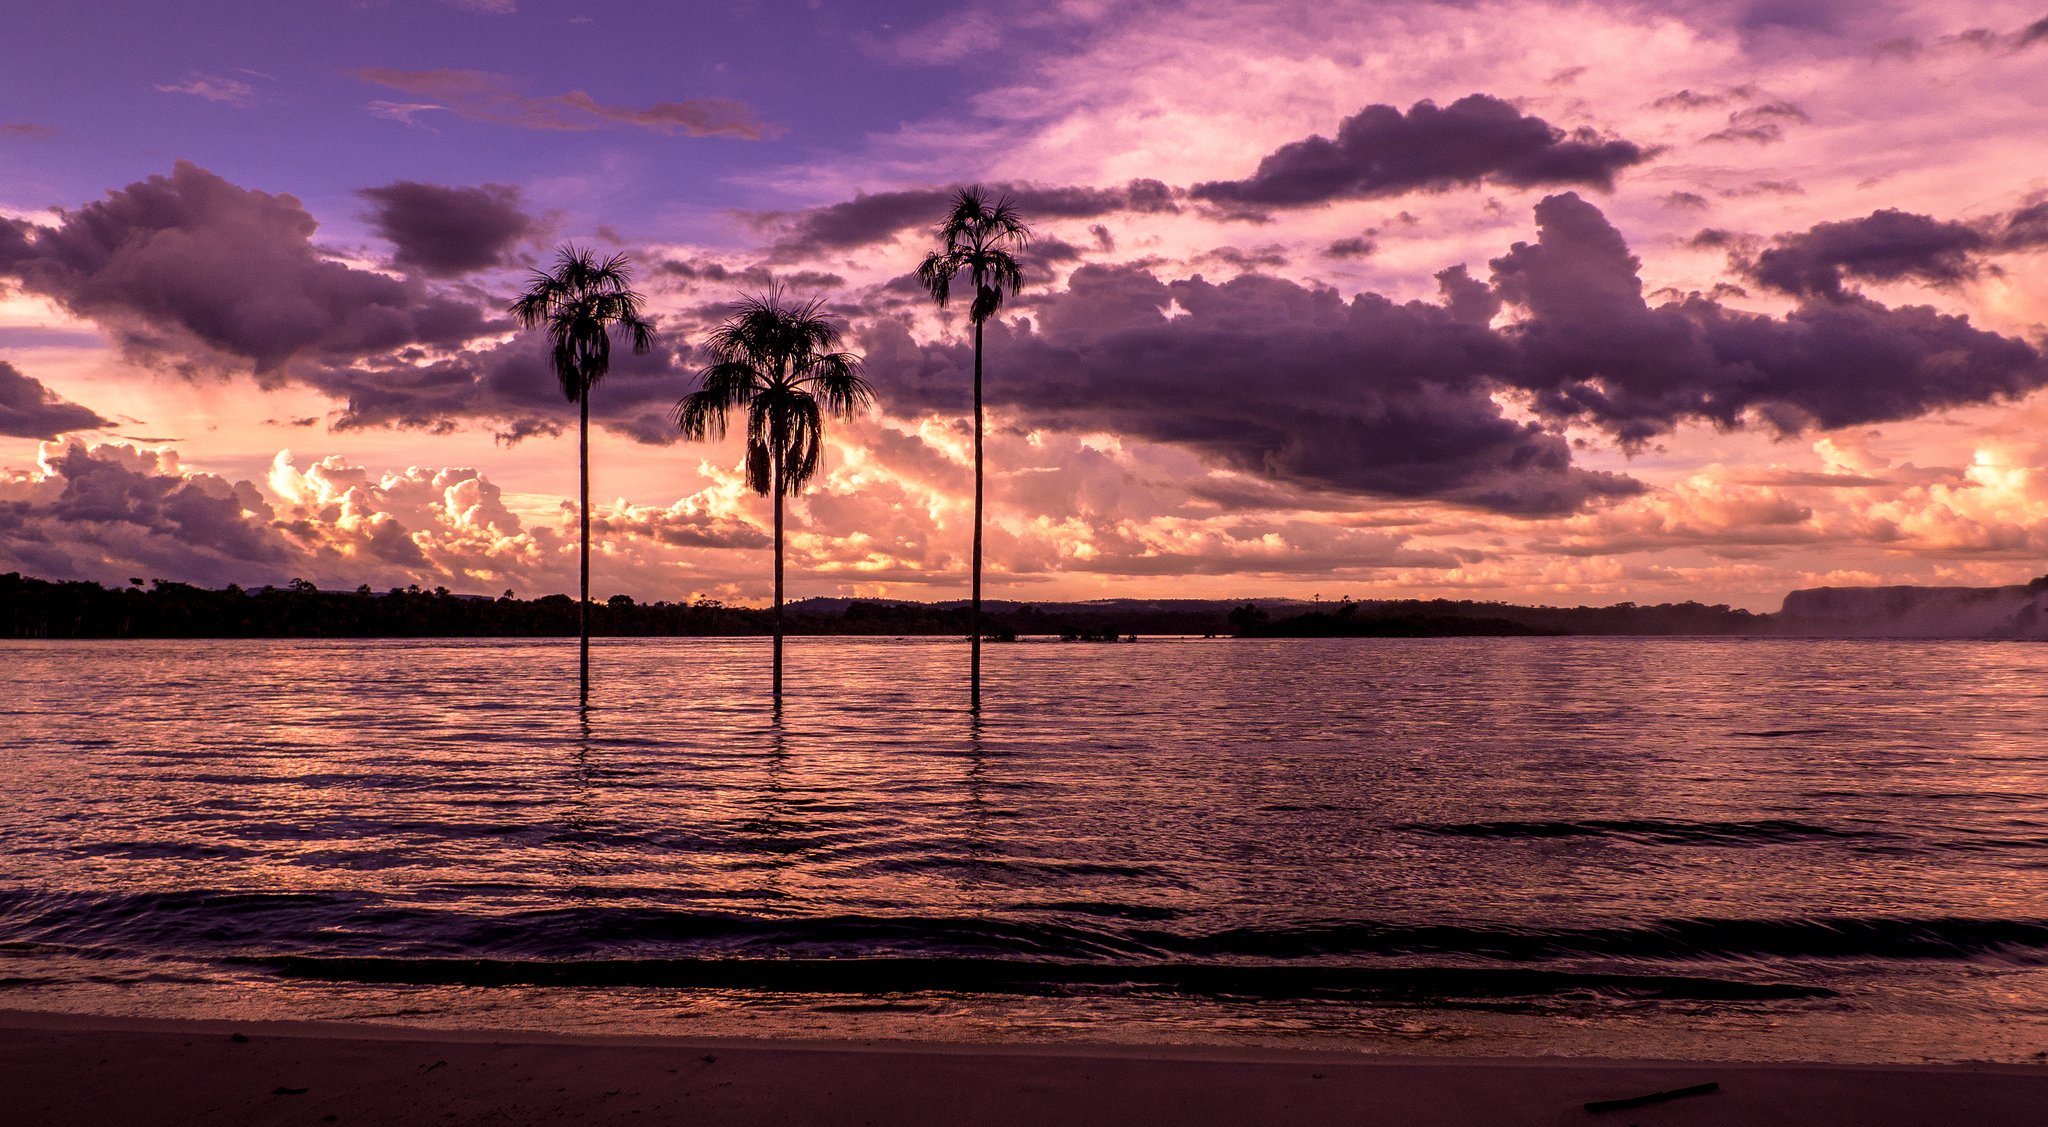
{"points": [[1538, 302]]}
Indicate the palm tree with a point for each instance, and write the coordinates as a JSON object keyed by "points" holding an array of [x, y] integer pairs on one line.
{"points": [[580, 304], [979, 238], [778, 362]]}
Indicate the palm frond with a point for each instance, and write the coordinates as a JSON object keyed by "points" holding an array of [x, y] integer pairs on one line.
{"points": [[936, 272], [803, 442], [835, 379], [725, 387]]}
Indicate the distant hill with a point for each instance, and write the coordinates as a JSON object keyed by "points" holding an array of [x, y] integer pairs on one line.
{"points": [[36, 608]]}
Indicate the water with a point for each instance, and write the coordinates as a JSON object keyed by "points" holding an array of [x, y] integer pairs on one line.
{"points": [[1627, 847]]}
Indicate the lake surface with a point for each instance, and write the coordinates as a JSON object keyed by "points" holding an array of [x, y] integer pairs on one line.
{"points": [[1624, 847]]}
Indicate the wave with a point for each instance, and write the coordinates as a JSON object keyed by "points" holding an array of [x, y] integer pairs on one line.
{"points": [[1651, 831], [217, 923], [873, 976]]}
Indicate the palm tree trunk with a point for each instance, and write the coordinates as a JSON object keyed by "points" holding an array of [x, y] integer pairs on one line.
{"points": [[778, 576], [974, 619], [583, 606]]}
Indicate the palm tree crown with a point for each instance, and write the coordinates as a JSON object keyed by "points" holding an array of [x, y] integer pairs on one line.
{"points": [[579, 303], [777, 361], [979, 237]]}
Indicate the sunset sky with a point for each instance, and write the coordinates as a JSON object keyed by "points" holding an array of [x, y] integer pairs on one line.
{"points": [[1542, 302]]}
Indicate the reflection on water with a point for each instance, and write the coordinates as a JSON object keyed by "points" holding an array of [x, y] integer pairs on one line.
{"points": [[1630, 847]]}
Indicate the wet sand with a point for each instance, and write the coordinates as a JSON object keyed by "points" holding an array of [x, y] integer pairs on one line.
{"points": [[85, 1070]]}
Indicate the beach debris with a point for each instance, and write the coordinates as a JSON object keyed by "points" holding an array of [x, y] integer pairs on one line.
{"points": [[710, 1058], [239, 1038], [1653, 1097], [436, 1064], [281, 1090]]}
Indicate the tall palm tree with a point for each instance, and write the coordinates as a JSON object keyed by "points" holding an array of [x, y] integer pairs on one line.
{"points": [[778, 361], [580, 304], [980, 237]]}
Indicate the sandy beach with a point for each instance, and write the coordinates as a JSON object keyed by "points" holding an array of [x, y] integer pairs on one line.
{"points": [[86, 1070]]}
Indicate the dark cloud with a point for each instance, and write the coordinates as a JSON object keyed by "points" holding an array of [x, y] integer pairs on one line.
{"points": [[875, 218], [483, 96], [1297, 386], [1289, 383], [1357, 246], [446, 232], [196, 271], [1889, 246], [511, 387], [1592, 349], [1381, 152], [30, 410]]}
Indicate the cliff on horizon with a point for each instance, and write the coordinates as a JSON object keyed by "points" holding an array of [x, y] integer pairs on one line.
{"points": [[2016, 611]]}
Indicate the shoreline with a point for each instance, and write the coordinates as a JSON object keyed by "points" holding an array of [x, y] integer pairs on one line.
{"points": [[65, 1068]]}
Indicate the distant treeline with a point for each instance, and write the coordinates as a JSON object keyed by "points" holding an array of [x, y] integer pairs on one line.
{"points": [[1434, 618], [36, 608]]}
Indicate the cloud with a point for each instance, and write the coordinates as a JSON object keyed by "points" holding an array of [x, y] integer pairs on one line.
{"points": [[213, 88], [1296, 385], [112, 511], [483, 96], [198, 272], [1762, 124], [30, 410], [878, 217], [26, 130], [1591, 348], [1380, 152], [446, 232], [1889, 246], [1270, 378], [511, 386], [109, 510]]}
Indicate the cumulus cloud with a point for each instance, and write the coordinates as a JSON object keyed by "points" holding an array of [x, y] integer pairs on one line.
{"points": [[195, 270], [483, 96], [1380, 152], [446, 232], [108, 512], [30, 410]]}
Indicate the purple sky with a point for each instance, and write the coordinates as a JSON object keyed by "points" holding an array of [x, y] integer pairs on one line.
{"points": [[1544, 302]]}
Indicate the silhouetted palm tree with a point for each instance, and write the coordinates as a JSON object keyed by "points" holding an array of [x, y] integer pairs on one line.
{"points": [[979, 238], [580, 304], [778, 362]]}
